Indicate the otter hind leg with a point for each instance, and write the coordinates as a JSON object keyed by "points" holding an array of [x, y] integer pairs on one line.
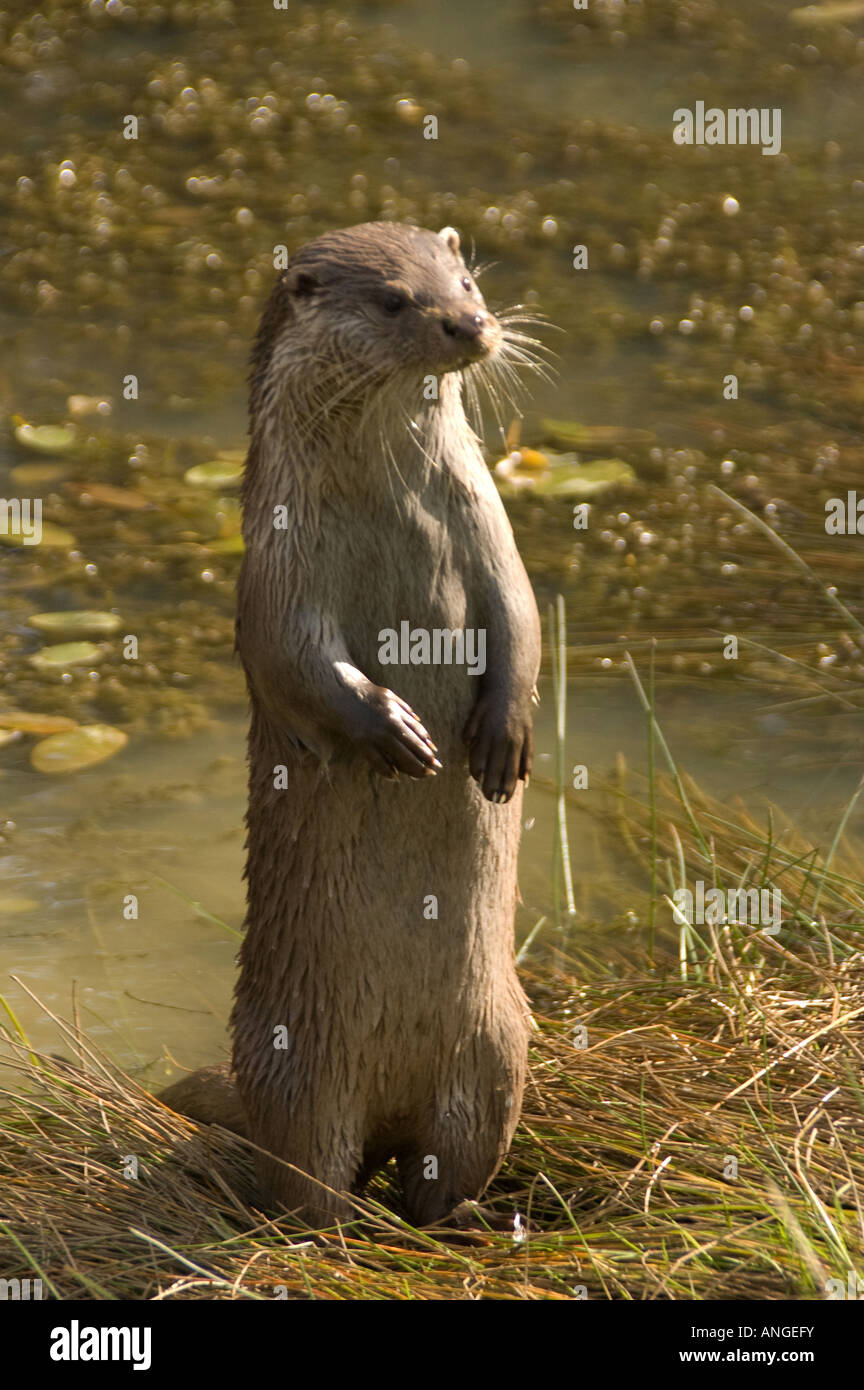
{"points": [[210, 1096], [444, 1170], [323, 1148], [454, 1158], [317, 1202], [463, 1138]]}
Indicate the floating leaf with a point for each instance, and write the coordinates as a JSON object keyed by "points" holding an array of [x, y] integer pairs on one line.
{"points": [[8, 736], [569, 434], [45, 439], [83, 747], [35, 723], [120, 499], [219, 473], [585, 480], [36, 474], [70, 627], [88, 405], [232, 455], [809, 15], [66, 654], [566, 477]]}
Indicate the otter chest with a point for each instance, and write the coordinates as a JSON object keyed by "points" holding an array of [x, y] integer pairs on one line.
{"points": [[402, 581]]}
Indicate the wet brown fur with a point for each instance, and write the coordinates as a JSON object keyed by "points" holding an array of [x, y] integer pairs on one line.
{"points": [[405, 1034]]}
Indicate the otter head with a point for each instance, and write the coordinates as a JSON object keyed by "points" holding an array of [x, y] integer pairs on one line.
{"points": [[390, 298]]}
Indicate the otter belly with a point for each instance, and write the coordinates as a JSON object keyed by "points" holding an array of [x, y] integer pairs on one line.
{"points": [[380, 944], [379, 893]]}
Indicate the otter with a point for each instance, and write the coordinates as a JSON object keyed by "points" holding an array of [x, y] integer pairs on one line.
{"points": [[377, 1011]]}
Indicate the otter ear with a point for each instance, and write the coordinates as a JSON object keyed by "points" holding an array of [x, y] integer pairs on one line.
{"points": [[451, 236], [301, 283]]}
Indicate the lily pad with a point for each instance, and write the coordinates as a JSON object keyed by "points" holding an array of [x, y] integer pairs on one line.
{"points": [[35, 723], [45, 439], [36, 474], [88, 405], [66, 654], [585, 480], [8, 736], [73, 626], [83, 747], [566, 477], [219, 473], [569, 434], [808, 15], [119, 499]]}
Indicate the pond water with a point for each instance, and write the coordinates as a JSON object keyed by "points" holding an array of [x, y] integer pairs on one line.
{"points": [[163, 820]]}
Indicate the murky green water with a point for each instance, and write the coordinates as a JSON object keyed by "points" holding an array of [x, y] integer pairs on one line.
{"points": [[153, 256]]}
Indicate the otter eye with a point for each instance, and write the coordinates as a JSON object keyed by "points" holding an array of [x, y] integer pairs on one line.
{"points": [[466, 283], [393, 303]]}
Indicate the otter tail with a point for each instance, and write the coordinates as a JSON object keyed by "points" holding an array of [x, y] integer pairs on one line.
{"points": [[208, 1096]]}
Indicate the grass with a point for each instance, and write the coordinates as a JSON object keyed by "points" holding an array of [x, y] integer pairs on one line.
{"points": [[693, 1125], [620, 1173], [706, 1142]]}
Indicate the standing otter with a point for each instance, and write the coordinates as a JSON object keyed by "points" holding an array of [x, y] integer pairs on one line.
{"points": [[378, 1012]]}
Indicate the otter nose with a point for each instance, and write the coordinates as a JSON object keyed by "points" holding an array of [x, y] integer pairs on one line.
{"points": [[464, 326]]}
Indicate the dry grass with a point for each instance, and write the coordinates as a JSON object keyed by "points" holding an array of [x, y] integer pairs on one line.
{"points": [[617, 1173], [693, 1125]]}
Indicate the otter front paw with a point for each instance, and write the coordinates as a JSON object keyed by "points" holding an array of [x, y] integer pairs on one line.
{"points": [[392, 739], [500, 748]]}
